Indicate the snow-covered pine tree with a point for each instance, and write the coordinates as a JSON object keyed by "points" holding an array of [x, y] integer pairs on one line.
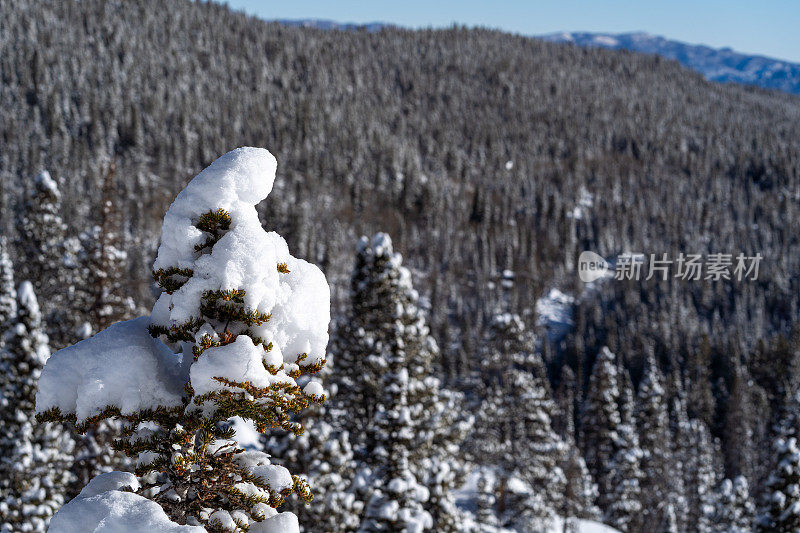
{"points": [[386, 327], [513, 430], [323, 455], [600, 416], [697, 461], [780, 510], [624, 507], [48, 257], [734, 508], [8, 293], [102, 262], [396, 503], [246, 319], [695, 464], [652, 419], [610, 442], [34, 458], [580, 491]]}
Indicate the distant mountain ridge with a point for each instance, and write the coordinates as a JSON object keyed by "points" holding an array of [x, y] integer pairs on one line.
{"points": [[716, 64], [323, 24]]}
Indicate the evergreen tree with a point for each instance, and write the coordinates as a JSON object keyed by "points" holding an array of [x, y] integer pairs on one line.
{"points": [[8, 294], [780, 510], [695, 464], [734, 509], [387, 346], [611, 444], [324, 456], [653, 422], [699, 465], [666, 521], [513, 430], [580, 491], [623, 489], [103, 261], [397, 499], [33, 457], [48, 256], [741, 420], [249, 318]]}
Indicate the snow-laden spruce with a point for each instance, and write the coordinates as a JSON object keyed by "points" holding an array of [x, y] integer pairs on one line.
{"points": [[33, 457], [238, 321]]}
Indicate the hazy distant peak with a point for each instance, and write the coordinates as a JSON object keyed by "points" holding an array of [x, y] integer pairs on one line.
{"points": [[716, 64]]}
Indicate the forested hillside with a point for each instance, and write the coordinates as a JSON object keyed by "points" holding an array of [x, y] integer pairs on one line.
{"points": [[492, 160]]}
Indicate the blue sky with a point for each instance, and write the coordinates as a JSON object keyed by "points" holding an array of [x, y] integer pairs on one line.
{"points": [[767, 27]]}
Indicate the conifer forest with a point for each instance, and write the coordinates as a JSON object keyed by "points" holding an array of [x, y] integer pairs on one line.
{"points": [[374, 319]]}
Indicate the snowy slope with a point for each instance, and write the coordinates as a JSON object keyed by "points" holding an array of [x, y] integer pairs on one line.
{"points": [[723, 64]]}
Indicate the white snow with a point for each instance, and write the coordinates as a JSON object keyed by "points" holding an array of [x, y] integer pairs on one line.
{"points": [[109, 481], [239, 361], [103, 507], [122, 366], [247, 435], [280, 523], [314, 388], [245, 258], [47, 183], [554, 311], [605, 40]]}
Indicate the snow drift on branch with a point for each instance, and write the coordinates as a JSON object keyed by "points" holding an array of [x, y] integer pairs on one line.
{"points": [[122, 366], [298, 299]]}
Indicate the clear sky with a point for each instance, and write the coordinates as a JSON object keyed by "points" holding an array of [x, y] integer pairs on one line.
{"points": [[766, 27]]}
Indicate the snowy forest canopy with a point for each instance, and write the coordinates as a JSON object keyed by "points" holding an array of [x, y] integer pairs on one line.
{"points": [[472, 149]]}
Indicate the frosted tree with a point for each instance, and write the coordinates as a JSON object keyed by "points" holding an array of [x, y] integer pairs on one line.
{"points": [[34, 458], [386, 363], [324, 455], [103, 261], [580, 490], [610, 442], [8, 293], [734, 508], [652, 419], [42, 242], [780, 511], [696, 453], [621, 491], [513, 429], [396, 502], [238, 321]]}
